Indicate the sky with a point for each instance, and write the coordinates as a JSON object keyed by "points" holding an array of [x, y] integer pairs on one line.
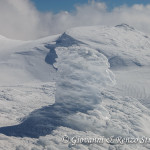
{"points": [[61, 5], [57, 5], [33, 19]]}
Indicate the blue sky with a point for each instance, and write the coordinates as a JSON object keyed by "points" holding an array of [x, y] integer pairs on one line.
{"points": [[68, 5]]}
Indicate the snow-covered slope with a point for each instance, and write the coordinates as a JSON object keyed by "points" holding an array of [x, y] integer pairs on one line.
{"points": [[123, 45], [26, 79], [102, 90]]}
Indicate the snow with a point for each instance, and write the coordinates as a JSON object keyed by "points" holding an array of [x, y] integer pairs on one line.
{"points": [[22, 99], [128, 47], [26, 82], [89, 82]]}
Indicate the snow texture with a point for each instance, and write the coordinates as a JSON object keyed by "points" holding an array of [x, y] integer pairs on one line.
{"points": [[89, 82]]}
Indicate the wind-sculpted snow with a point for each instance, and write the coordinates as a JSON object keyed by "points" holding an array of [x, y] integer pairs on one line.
{"points": [[101, 91], [82, 73]]}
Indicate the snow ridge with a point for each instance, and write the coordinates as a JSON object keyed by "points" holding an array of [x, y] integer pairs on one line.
{"points": [[125, 27]]}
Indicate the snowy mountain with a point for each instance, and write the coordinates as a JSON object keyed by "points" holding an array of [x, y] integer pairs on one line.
{"points": [[86, 84]]}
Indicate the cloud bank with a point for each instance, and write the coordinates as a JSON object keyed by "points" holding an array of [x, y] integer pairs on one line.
{"points": [[19, 19]]}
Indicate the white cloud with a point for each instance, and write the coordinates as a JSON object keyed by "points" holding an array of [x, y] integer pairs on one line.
{"points": [[20, 19]]}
